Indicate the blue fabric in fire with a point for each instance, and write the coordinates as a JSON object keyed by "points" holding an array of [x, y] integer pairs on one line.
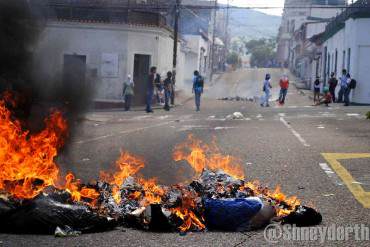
{"points": [[231, 214]]}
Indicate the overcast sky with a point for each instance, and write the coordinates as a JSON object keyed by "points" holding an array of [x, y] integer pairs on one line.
{"points": [[262, 3]]}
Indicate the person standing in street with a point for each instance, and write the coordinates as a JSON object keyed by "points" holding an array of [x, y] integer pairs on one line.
{"points": [[198, 85], [150, 89], [167, 83], [333, 82], [316, 90], [128, 92], [266, 89], [343, 86], [284, 86], [351, 84]]}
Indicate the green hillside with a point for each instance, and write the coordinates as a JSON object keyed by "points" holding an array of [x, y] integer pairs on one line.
{"points": [[253, 24]]}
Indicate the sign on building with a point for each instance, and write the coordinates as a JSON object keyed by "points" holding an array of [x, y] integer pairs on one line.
{"points": [[109, 65]]}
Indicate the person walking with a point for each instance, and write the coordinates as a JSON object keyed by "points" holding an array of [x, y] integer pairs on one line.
{"points": [[316, 90], [333, 82], [351, 84], [198, 85], [266, 89], [343, 86], [284, 86], [128, 92], [167, 83], [150, 89]]}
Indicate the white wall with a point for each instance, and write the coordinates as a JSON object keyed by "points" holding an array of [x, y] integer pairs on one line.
{"points": [[356, 36], [315, 28], [92, 40]]}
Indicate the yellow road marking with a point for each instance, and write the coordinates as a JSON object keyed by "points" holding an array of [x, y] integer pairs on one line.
{"points": [[356, 189]]}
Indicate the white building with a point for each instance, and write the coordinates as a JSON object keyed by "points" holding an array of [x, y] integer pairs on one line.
{"points": [[196, 55], [108, 53], [304, 11], [346, 45]]}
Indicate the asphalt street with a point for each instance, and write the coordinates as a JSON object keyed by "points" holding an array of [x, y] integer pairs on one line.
{"points": [[308, 150]]}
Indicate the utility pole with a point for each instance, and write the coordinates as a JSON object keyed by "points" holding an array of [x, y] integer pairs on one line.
{"points": [[175, 41], [226, 48], [212, 57]]}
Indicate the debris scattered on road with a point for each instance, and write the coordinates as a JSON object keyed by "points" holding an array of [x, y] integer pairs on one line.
{"points": [[328, 195], [237, 98], [66, 231], [303, 216], [223, 128], [353, 114], [235, 116], [34, 198]]}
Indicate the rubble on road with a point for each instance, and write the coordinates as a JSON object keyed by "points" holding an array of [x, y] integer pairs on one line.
{"points": [[35, 198], [48, 211], [237, 98], [235, 116]]}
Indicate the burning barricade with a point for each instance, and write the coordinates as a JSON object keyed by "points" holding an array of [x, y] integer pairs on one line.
{"points": [[35, 198]]}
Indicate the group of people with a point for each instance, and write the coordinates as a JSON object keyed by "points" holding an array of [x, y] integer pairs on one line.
{"points": [[158, 87], [284, 86], [346, 83]]}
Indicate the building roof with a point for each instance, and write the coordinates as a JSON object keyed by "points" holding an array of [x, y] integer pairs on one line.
{"points": [[101, 11], [360, 9]]}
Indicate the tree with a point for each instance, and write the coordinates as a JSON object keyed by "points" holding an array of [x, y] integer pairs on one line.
{"points": [[263, 52], [233, 59]]}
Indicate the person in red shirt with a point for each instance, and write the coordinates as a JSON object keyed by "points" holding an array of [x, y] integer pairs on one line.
{"points": [[284, 86], [326, 98]]}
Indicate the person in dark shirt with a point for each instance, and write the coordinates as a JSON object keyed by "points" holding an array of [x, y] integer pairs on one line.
{"points": [[198, 84], [150, 89], [333, 82], [316, 92], [167, 83]]}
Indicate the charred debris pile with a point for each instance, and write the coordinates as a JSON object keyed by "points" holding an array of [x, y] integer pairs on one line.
{"points": [[36, 198]]}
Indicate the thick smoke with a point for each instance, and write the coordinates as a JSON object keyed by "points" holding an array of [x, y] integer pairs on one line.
{"points": [[21, 24], [18, 32]]}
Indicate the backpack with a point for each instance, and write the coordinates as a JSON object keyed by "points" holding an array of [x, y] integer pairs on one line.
{"points": [[200, 81], [353, 84]]}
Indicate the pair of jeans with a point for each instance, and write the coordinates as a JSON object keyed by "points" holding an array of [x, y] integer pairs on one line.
{"points": [[346, 95], [128, 99], [266, 98], [167, 96], [149, 98], [332, 93], [341, 94], [197, 99], [283, 93]]}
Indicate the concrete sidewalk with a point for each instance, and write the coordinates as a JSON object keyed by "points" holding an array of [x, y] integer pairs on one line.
{"points": [[118, 105]]}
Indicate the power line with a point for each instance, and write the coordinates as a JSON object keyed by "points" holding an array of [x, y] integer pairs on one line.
{"points": [[166, 7]]}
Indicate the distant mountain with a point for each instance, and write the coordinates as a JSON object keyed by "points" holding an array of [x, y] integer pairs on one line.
{"points": [[253, 24]]}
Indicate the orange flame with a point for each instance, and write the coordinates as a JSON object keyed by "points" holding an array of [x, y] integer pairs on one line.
{"points": [[276, 195], [186, 213], [152, 192], [203, 156], [27, 160], [73, 186]]}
